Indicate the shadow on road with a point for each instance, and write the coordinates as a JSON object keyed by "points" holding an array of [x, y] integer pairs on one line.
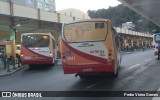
{"points": [[39, 68]]}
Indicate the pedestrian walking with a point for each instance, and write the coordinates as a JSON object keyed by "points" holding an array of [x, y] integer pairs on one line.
{"points": [[143, 48]]}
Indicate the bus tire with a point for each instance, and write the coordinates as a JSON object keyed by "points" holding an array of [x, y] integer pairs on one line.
{"points": [[52, 64], [31, 66], [82, 76], [115, 73]]}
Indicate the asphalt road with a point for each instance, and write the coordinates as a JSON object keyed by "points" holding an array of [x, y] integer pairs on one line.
{"points": [[139, 71]]}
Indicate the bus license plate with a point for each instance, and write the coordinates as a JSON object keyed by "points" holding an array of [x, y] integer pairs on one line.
{"points": [[87, 70], [27, 57]]}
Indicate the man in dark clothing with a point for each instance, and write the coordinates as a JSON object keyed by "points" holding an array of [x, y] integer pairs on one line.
{"points": [[158, 47], [3, 58]]}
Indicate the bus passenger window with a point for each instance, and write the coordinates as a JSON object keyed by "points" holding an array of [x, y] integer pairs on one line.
{"points": [[53, 43], [116, 38], [99, 25]]}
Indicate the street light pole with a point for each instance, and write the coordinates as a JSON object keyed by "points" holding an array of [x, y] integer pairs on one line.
{"points": [[13, 44], [13, 47]]}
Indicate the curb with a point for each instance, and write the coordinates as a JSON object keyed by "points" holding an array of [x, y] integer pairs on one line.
{"points": [[9, 73]]}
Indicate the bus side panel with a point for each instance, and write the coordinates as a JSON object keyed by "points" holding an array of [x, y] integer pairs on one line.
{"points": [[111, 44]]}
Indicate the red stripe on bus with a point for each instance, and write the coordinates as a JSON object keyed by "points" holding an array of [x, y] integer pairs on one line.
{"points": [[84, 55]]}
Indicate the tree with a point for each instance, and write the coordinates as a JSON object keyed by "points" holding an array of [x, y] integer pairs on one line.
{"points": [[121, 14]]}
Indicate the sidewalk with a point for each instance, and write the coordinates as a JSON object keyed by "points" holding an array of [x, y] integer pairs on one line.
{"points": [[4, 72], [138, 50]]}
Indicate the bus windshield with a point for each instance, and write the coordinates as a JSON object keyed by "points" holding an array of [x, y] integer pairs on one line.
{"points": [[85, 31], [35, 40], [157, 38]]}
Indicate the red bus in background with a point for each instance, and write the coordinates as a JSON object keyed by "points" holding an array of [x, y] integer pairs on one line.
{"points": [[38, 48]]}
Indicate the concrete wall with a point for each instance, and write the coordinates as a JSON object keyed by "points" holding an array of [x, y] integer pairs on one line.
{"points": [[25, 11], [47, 16], [64, 18], [4, 8], [28, 12]]}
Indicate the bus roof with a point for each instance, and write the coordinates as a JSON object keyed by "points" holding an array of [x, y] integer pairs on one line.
{"points": [[85, 20]]}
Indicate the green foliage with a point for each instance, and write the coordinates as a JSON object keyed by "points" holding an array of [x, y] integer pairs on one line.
{"points": [[121, 14], [12, 35]]}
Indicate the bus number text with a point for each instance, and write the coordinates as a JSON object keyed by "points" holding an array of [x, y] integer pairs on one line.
{"points": [[71, 58]]}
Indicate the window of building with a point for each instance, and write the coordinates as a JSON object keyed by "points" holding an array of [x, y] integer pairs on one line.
{"points": [[47, 1], [39, 5], [41, 0], [46, 5], [30, 2], [51, 7]]}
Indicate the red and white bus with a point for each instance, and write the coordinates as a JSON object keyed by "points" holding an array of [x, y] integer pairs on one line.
{"points": [[38, 48], [90, 46]]}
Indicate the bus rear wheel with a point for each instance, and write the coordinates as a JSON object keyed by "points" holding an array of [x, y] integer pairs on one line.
{"points": [[81, 76], [31, 66], [115, 73]]}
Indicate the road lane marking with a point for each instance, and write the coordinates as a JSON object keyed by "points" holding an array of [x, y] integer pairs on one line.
{"points": [[95, 84], [134, 66], [156, 98], [139, 64], [92, 85], [148, 59], [128, 68]]}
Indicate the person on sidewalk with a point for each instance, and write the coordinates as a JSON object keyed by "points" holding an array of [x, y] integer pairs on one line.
{"points": [[3, 59], [158, 47], [18, 59], [143, 48]]}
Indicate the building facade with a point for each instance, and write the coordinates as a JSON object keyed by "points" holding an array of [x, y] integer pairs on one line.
{"points": [[74, 13], [128, 25], [47, 5]]}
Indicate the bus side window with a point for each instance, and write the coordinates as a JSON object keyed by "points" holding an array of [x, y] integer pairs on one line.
{"points": [[116, 38], [53, 43]]}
